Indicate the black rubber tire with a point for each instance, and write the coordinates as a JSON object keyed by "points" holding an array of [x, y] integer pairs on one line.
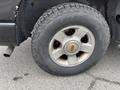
{"points": [[59, 17]]}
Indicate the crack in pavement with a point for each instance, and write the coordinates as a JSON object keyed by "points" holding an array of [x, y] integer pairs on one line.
{"points": [[101, 79], [92, 84]]}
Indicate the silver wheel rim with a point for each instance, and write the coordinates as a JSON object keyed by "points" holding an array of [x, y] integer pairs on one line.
{"points": [[72, 46]]}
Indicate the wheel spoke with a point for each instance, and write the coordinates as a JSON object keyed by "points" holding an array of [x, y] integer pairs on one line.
{"points": [[80, 32], [86, 47], [60, 36], [72, 60], [57, 53], [71, 45]]}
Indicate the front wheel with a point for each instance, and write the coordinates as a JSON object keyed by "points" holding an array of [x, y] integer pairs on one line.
{"points": [[69, 39]]}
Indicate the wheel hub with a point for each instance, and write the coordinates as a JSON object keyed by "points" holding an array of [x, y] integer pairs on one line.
{"points": [[71, 47]]}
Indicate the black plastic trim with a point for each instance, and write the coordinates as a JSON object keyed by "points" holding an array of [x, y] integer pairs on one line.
{"points": [[8, 34]]}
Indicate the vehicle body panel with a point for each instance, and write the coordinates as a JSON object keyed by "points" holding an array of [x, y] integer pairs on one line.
{"points": [[7, 9], [22, 15]]}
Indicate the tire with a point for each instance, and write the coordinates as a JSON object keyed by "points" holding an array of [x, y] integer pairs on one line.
{"points": [[60, 17]]}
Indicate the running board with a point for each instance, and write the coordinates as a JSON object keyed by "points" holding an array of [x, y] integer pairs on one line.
{"points": [[7, 34]]}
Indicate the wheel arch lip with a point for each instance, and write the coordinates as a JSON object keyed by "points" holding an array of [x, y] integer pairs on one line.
{"points": [[26, 20], [113, 11]]}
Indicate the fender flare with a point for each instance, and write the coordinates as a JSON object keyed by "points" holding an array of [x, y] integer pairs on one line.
{"points": [[30, 10], [113, 13], [28, 13]]}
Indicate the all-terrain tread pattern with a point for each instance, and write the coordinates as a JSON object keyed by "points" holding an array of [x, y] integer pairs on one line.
{"points": [[55, 10], [60, 10]]}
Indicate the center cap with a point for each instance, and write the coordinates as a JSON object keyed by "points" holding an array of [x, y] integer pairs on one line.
{"points": [[71, 47]]}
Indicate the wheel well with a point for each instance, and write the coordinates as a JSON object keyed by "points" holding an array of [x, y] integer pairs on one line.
{"points": [[114, 18], [30, 10]]}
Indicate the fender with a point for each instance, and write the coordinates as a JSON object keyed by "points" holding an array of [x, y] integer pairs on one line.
{"points": [[8, 9], [114, 18], [29, 12]]}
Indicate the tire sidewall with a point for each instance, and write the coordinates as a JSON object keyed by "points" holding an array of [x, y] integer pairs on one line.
{"points": [[48, 31]]}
